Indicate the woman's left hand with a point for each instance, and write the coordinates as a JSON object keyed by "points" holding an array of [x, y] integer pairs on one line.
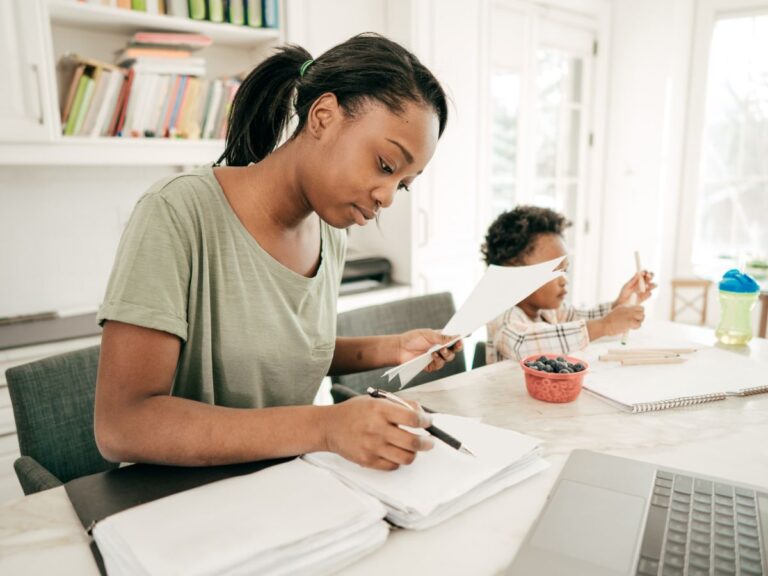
{"points": [[633, 287], [415, 342]]}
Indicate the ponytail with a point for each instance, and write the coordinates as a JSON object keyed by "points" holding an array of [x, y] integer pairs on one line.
{"points": [[262, 107]]}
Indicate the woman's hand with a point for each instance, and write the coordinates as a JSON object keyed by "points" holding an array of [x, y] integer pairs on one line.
{"points": [[367, 431], [633, 287], [415, 342]]}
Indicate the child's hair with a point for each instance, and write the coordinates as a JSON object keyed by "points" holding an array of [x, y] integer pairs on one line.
{"points": [[365, 68], [512, 235]]}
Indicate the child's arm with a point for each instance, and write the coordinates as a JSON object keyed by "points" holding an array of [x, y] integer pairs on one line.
{"points": [[515, 337], [569, 313]]}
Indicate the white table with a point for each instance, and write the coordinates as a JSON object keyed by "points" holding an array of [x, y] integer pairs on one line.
{"points": [[40, 534]]}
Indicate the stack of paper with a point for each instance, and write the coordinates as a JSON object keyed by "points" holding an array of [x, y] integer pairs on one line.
{"points": [[500, 288], [290, 518], [442, 482]]}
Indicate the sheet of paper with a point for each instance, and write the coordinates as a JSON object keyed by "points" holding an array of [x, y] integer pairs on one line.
{"points": [[440, 475], [500, 288]]}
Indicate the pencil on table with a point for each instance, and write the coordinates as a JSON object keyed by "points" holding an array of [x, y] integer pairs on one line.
{"points": [[633, 297], [657, 360]]}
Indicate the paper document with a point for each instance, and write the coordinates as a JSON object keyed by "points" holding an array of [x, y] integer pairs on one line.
{"points": [[442, 482], [291, 518], [500, 288]]}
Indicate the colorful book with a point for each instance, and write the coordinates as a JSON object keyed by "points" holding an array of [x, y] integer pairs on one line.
{"points": [[270, 13], [101, 79], [82, 83], [139, 5], [177, 8], [216, 10], [171, 39], [253, 13], [197, 9], [116, 79], [177, 106], [85, 102], [235, 12], [74, 84]]}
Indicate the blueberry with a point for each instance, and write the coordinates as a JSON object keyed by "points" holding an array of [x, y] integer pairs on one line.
{"points": [[541, 359], [578, 367], [528, 363], [560, 359], [548, 368]]}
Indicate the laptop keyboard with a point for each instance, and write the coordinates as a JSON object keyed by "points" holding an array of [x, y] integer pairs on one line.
{"points": [[699, 527]]}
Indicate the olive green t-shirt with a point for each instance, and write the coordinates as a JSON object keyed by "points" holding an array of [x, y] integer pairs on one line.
{"points": [[254, 333]]}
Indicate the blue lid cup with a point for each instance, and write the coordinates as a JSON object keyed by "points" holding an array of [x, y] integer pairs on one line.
{"points": [[738, 282]]}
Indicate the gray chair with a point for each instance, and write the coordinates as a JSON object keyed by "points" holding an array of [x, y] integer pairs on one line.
{"points": [[53, 406], [430, 311], [479, 358]]}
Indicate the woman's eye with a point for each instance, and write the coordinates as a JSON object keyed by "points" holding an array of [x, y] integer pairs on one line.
{"points": [[385, 167]]}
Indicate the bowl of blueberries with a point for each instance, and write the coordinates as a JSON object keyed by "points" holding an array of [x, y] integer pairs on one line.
{"points": [[552, 377]]}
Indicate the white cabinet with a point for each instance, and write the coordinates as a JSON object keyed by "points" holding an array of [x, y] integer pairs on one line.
{"points": [[25, 112], [36, 34]]}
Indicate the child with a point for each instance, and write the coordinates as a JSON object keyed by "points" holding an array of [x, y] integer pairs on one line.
{"points": [[543, 323]]}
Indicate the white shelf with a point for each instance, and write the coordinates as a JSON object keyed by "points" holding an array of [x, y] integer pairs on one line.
{"points": [[74, 151], [107, 19]]}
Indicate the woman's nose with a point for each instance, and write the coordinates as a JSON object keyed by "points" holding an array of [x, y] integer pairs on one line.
{"points": [[384, 196]]}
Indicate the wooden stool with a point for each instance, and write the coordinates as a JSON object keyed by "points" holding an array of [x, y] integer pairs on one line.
{"points": [[696, 302]]}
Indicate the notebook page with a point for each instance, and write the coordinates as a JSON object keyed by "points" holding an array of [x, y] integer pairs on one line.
{"points": [[709, 370], [441, 474]]}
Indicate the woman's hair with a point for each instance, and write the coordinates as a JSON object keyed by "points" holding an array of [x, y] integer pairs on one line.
{"points": [[365, 68], [513, 234]]}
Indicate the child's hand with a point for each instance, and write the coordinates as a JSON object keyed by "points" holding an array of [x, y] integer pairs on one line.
{"points": [[633, 287], [621, 319], [416, 342]]}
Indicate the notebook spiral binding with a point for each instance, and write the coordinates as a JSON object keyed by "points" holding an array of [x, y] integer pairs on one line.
{"points": [[679, 402], [754, 390]]}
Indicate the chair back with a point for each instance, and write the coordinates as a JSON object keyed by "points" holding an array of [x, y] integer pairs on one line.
{"points": [[479, 358], [430, 311], [53, 403], [690, 295]]}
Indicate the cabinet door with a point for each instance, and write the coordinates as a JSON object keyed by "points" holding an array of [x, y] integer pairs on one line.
{"points": [[23, 106]]}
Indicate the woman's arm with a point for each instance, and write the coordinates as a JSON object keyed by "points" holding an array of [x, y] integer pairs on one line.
{"points": [[137, 420], [369, 352]]}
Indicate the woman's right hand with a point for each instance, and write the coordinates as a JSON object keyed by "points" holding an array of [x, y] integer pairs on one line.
{"points": [[366, 431]]}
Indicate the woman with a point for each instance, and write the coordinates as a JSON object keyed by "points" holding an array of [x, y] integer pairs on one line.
{"points": [[219, 317]]}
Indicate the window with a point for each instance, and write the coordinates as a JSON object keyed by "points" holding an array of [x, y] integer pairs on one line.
{"points": [[732, 192]]}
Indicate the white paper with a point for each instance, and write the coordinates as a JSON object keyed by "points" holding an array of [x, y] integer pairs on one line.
{"points": [[285, 516], [500, 288], [441, 482]]}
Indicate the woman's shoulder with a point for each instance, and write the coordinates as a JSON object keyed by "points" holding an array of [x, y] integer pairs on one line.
{"points": [[184, 190]]}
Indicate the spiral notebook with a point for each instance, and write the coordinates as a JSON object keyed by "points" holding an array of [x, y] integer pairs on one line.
{"points": [[708, 375]]}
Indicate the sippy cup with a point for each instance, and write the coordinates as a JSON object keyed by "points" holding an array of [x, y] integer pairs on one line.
{"points": [[738, 295]]}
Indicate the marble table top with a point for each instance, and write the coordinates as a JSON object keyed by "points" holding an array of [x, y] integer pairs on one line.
{"points": [[41, 534]]}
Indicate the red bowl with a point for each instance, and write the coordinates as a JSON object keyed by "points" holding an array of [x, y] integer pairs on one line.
{"points": [[551, 387]]}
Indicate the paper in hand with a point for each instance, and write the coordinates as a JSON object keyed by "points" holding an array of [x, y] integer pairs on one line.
{"points": [[500, 288]]}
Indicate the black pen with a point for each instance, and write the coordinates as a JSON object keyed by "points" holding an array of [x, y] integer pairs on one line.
{"points": [[433, 430]]}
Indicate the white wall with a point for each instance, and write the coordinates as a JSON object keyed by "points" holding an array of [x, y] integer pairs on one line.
{"points": [[59, 229], [649, 73]]}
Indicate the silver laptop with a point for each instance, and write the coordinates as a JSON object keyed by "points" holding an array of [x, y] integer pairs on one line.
{"points": [[608, 515]]}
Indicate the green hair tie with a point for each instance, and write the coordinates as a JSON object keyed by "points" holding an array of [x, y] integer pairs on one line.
{"points": [[304, 67]]}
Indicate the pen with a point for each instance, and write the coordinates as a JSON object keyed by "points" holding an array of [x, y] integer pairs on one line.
{"points": [[433, 430], [633, 297]]}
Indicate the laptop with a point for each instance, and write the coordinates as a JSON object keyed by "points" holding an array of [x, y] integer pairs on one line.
{"points": [[608, 515]]}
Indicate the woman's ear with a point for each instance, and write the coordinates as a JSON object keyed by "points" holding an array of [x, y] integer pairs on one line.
{"points": [[325, 113]]}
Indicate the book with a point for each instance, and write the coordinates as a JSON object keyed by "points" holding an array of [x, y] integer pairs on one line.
{"points": [[101, 79], [709, 374], [177, 8], [101, 124], [253, 13], [139, 5], [234, 11], [269, 14], [143, 51], [290, 518], [74, 84], [216, 10], [113, 126], [197, 9], [175, 39], [442, 482]]}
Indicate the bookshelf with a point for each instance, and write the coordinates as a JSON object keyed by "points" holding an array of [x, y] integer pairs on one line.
{"points": [[46, 30]]}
